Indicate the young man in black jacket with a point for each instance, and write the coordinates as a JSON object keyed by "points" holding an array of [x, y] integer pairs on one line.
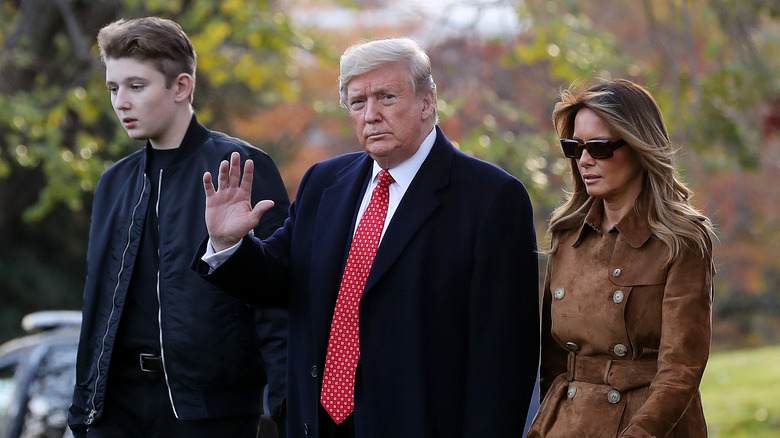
{"points": [[162, 352]]}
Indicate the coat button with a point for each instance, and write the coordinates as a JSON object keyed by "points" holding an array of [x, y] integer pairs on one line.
{"points": [[571, 392], [620, 350], [617, 297], [559, 293], [572, 346], [314, 371], [617, 272], [613, 396]]}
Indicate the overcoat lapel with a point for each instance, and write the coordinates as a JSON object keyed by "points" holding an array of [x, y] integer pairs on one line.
{"points": [[419, 202], [332, 235]]}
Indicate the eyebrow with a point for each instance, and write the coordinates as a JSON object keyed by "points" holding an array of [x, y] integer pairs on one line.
{"points": [[128, 80], [379, 91]]}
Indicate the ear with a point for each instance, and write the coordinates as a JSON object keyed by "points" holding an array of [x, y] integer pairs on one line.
{"points": [[428, 102], [184, 86]]}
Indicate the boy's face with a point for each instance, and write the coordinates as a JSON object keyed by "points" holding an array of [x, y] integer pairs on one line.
{"points": [[145, 107]]}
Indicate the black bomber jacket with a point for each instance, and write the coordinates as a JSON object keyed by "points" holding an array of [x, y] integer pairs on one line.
{"points": [[213, 359]]}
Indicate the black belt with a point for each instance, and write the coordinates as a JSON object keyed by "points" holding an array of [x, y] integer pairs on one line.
{"points": [[150, 363]]}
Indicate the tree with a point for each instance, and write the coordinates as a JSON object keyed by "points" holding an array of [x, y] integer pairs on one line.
{"points": [[58, 132], [711, 65]]}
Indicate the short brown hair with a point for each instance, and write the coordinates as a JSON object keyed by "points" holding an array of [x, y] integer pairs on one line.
{"points": [[161, 41]]}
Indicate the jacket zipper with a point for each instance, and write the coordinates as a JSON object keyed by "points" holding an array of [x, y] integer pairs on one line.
{"points": [[93, 411], [159, 301]]}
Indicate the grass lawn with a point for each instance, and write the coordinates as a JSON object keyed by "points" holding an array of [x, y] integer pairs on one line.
{"points": [[741, 394]]}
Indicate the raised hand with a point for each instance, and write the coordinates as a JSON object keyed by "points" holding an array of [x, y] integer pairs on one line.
{"points": [[229, 212]]}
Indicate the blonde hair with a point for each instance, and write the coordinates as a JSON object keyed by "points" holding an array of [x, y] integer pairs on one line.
{"points": [[368, 56], [632, 114]]}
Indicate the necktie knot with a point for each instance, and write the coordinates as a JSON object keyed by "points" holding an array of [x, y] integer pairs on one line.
{"points": [[384, 178]]}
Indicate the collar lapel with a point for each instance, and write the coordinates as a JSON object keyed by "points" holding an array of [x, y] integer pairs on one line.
{"points": [[332, 235], [418, 203]]}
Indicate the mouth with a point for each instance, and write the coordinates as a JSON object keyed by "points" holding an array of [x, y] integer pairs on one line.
{"points": [[376, 136], [590, 178], [129, 122]]}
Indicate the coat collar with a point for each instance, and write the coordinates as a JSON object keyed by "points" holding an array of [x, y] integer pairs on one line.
{"points": [[196, 134], [334, 220], [336, 213], [339, 205], [419, 202], [633, 227]]}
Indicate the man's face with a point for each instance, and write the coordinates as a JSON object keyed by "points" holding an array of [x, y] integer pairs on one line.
{"points": [[144, 105], [389, 120]]}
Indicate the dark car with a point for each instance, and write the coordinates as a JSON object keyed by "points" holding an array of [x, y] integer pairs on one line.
{"points": [[37, 374]]}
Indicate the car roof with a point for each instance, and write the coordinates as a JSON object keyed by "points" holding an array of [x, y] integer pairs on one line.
{"points": [[49, 327]]}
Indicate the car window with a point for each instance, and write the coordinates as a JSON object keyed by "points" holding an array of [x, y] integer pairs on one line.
{"points": [[7, 385], [50, 394]]}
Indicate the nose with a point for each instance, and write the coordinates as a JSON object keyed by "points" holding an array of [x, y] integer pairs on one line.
{"points": [[120, 100], [373, 112], [586, 160]]}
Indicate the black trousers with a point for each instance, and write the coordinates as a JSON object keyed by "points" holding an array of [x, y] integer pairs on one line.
{"points": [[137, 405]]}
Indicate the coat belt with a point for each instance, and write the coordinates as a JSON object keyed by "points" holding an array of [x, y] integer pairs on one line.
{"points": [[622, 375]]}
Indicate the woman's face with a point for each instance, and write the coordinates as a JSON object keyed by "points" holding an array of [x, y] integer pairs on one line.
{"points": [[617, 179]]}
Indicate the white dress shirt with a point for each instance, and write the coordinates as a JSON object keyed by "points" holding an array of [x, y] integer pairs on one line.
{"points": [[403, 175]]}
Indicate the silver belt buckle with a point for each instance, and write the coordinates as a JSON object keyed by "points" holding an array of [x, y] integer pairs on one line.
{"points": [[146, 356]]}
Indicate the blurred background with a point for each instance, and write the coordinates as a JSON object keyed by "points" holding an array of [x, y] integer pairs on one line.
{"points": [[267, 73]]}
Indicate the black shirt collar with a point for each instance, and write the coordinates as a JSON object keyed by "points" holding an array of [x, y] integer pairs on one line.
{"points": [[196, 134]]}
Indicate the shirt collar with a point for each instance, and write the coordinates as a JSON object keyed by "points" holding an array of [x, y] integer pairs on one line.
{"points": [[633, 227], [404, 173]]}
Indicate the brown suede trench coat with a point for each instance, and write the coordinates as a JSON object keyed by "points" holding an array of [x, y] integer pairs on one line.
{"points": [[625, 335]]}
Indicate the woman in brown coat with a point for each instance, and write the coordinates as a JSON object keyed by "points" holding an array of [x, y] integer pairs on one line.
{"points": [[627, 299]]}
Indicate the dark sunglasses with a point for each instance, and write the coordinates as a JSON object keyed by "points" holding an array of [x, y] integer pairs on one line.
{"points": [[596, 148]]}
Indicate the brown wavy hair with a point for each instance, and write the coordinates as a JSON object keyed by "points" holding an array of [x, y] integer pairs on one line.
{"points": [[632, 114]]}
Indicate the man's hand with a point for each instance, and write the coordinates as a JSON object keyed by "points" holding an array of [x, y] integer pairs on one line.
{"points": [[229, 212]]}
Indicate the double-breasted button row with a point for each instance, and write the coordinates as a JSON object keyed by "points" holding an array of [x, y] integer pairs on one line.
{"points": [[613, 396], [314, 371], [617, 297]]}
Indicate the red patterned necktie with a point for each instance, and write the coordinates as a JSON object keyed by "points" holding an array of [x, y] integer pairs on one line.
{"points": [[338, 382]]}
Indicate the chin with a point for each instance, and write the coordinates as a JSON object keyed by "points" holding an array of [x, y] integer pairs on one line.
{"points": [[594, 193], [377, 152], [135, 135]]}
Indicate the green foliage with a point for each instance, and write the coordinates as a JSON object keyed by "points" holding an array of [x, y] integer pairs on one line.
{"points": [[566, 41], [58, 132], [739, 394], [66, 127], [714, 69], [713, 66]]}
